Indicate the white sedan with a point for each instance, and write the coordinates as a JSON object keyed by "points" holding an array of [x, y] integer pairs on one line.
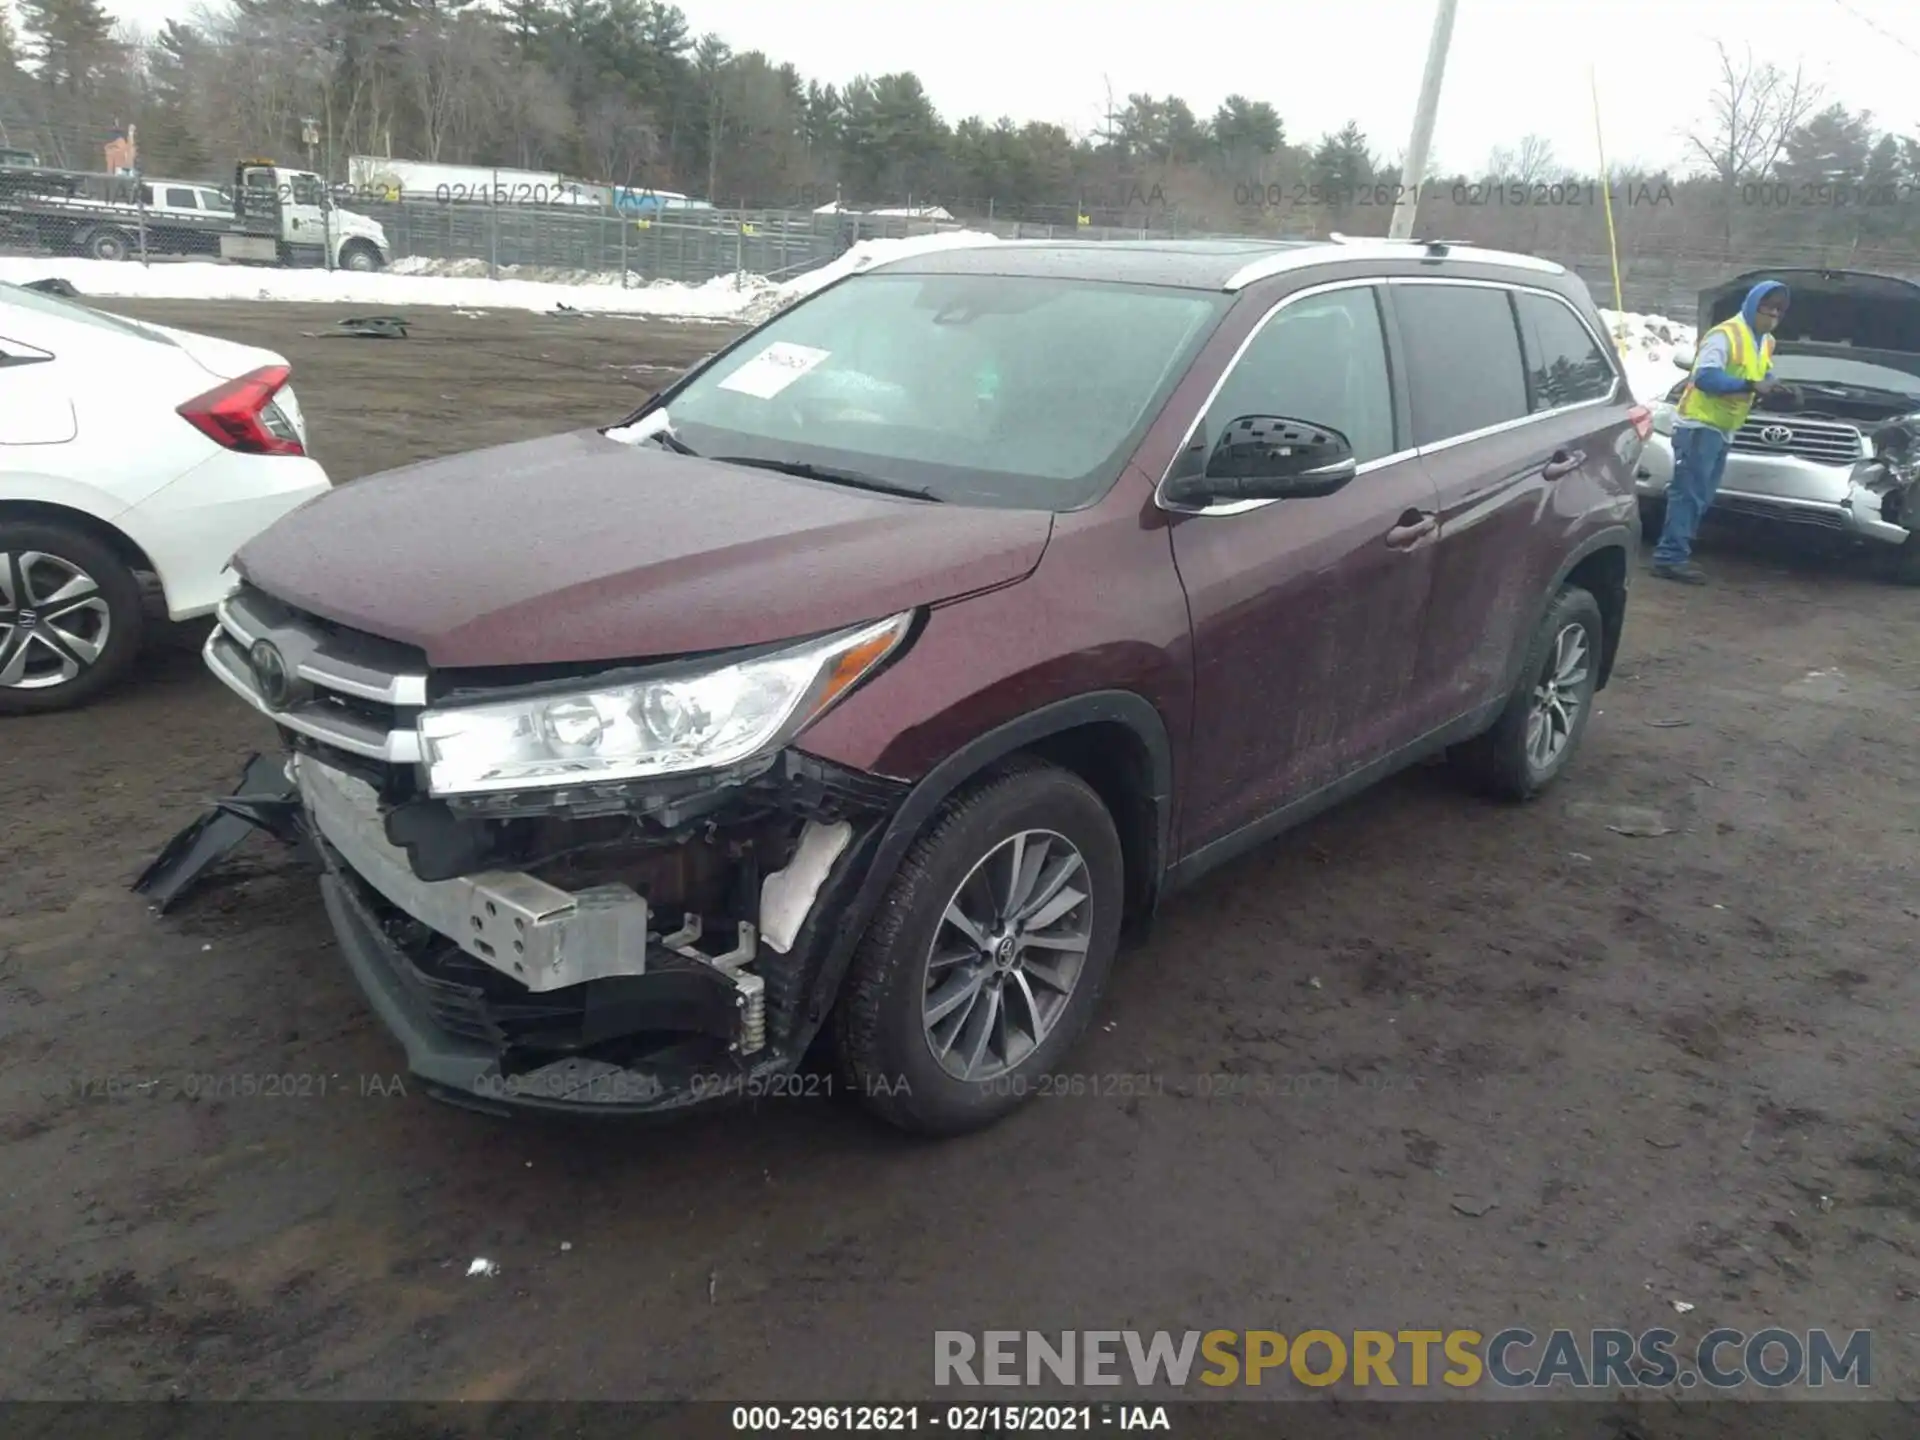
{"points": [[126, 449]]}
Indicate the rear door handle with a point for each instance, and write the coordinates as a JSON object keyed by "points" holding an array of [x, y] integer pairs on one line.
{"points": [[1563, 462], [1414, 527]]}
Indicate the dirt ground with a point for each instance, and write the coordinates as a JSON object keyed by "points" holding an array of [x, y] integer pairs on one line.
{"points": [[1489, 1066]]}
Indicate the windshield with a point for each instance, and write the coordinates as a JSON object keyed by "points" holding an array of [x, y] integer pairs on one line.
{"points": [[991, 390], [1835, 370], [40, 302]]}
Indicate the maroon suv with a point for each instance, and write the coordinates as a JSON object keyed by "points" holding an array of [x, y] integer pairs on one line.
{"points": [[889, 666]]}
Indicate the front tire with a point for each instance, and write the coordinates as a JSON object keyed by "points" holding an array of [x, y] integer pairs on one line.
{"points": [[1537, 733], [360, 257], [71, 617], [1902, 566], [988, 955]]}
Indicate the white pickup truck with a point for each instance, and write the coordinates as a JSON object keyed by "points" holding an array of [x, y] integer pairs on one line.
{"points": [[288, 217]]}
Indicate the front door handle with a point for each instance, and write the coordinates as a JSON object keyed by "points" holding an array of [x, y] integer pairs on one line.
{"points": [[1563, 462], [1414, 527]]}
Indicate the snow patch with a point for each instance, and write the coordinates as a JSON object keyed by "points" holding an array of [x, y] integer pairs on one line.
{"points": [[1648, 345], [463, 284]]}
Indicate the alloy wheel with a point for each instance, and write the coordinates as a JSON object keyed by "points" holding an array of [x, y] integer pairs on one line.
{"points": [[54, 620], [1007, 955], [1558, 697]]}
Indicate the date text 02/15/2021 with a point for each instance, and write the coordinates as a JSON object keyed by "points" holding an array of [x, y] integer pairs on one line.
{"points": [[953, 1419]]}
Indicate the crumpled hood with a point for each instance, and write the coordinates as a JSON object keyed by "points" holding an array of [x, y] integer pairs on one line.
{"points": [[576, 548]]}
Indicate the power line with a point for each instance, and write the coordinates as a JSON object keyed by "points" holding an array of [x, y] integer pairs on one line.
{"points": [[1877, 27]]}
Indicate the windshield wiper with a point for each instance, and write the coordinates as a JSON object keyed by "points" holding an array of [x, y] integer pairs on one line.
{"points": [[673, 442], [854, 478]]}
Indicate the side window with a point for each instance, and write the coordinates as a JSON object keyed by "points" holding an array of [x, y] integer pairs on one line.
{"points": [[1464, 370], [1565, 365], [1322, 359], [146, 195], [182, 199], [306, 190]]}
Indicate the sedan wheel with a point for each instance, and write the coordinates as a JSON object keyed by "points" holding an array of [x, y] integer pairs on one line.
{"points": [[54, 622], [71, 616]]}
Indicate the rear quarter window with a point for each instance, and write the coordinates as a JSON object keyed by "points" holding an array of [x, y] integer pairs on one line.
{"points": [[1464, 367], [1565, 364]]}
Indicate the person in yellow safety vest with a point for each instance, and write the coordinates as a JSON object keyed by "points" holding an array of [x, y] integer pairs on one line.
{"points": [[1732, 369]]}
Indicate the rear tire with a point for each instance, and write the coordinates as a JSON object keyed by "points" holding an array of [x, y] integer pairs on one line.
{"points": [[71, 617], [109, 245], [1514, 760], [1049, 826]]}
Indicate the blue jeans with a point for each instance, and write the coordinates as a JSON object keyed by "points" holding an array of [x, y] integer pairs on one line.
{"points": [[1699, 460]]}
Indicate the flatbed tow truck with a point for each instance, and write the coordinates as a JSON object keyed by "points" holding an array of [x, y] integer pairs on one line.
{"points": [[279, 216]]}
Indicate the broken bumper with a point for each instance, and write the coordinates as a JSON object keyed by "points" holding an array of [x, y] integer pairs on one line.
{"points": [[510, 993], [1785, 491]]}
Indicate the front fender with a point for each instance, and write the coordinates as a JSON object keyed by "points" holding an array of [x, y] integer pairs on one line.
{"points": [[865, 871]]}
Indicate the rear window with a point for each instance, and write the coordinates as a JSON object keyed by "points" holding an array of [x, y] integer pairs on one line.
{"points": [[1465, 371], [1565, 364], [182, 200], [38, 302]]}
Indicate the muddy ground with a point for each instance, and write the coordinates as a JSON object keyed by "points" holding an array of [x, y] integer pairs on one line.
{"points": [[1491, 1066]]}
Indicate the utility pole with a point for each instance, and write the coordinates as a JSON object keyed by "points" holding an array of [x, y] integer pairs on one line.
{"points": [[1414, 173]]}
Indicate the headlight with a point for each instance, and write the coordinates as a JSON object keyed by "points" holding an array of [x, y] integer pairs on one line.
{"points": [[698, 721]]}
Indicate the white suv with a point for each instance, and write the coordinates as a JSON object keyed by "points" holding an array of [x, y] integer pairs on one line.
{"points": [[126, 449]]}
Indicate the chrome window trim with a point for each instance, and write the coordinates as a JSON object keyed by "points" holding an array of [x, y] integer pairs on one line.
{"points": [[1612, 396], [1280, 262], [1242, 507]]}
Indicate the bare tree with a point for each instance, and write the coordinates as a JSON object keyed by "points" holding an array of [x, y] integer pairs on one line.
{"points": [[452, 68], [1754, 109], [620, 140]]}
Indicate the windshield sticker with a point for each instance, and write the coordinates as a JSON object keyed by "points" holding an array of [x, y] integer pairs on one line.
{"points": [[773, 370]]}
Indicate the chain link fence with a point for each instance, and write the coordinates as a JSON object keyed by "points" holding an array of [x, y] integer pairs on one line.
{"points": [[694, 245]]}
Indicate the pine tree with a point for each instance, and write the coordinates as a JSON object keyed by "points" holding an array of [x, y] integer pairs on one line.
{"points": [[70, 40]]}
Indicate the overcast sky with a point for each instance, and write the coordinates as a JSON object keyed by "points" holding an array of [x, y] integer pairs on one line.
{"points": [[1515, 65]]}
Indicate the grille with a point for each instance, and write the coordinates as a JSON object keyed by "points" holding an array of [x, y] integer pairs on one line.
{"points": [[1821, 517], [1821, 441], [340, 690]]}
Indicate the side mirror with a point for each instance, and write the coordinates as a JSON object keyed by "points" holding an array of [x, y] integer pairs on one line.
{"points": [[1270, 457]]}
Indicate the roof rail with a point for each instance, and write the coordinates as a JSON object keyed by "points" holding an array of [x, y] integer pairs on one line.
{"points": [[1384, 249]]}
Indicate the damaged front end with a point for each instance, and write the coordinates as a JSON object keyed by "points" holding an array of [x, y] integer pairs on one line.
{"points": [[609, 943], [1890, 475]]}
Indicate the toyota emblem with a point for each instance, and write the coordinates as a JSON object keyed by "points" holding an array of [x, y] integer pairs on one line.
{"points": [[1776, 435], [270, 673]]}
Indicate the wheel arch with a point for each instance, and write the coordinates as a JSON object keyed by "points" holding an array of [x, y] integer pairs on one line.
{"points": [[1115, 740], [45, 512], [1598, 565]]}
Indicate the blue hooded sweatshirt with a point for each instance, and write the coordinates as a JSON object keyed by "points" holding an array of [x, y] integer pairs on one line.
{"points": [[1709, 370]]}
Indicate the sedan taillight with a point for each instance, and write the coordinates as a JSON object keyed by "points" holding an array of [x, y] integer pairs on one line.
{"points": [[1642, 419], [240, 415]]}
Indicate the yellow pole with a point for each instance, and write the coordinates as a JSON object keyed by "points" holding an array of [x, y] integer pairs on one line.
{"points": [[1606, 197]]}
